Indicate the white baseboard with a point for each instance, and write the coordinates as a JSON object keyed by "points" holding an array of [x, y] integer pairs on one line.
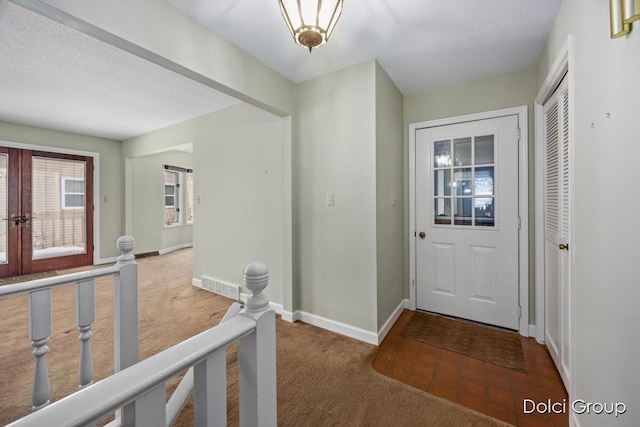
{"points": [[337, 327], [532, 331], [175, 248], [328, 324], [384, 330]]}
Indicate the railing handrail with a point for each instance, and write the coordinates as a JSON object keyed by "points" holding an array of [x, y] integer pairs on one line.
{"points": [[50, 282], [125, 386]]}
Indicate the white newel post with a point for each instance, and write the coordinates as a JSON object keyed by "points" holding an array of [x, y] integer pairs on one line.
{"points": [[85, 317], [40, 331], [125, 316], [257, 354]]}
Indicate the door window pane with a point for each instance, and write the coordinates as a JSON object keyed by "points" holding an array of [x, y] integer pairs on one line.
{"points": [[442, 211], [484, 150], [462, 182], [58, 207], [484, 182], [484, 210], [462, 151], [442, 154], [442, 184], [462, 211]]}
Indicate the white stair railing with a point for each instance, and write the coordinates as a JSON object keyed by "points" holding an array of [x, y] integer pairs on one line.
{"points": [[125, 274], [143, 386]]}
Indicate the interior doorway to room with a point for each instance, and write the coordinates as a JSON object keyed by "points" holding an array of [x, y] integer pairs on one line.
{"points": [[46, 211], [467, 220]]}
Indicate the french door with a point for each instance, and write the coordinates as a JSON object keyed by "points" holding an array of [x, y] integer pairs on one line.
{"points": [[46, 211]]}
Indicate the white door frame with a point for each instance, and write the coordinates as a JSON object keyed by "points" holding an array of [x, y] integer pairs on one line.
{"points": [[564, 64], [523, 202]]}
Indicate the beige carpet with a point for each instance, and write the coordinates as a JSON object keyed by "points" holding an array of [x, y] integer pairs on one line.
{"points": [[324, 379], [486, 343]]}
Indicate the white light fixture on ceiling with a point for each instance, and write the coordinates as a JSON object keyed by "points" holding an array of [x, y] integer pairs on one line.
{"points": [[311, 21]]}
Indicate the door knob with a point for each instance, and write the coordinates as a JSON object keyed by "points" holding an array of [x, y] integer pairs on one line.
{"points": [[563, 246], [422, 234]]}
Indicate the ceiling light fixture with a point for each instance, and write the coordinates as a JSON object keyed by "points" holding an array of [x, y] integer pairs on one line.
{"points": [[311, 21]]}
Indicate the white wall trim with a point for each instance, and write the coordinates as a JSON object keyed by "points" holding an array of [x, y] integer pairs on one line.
{"points": [[329, 324], [523, 200], [175, 248], [532, 330], [337, 327], [96, 184], [384, 330]]}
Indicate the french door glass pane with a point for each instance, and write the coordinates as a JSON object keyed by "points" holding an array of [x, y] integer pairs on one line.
{"points": [[57, 207], [484, 150], [462, 151], [4, 206]]}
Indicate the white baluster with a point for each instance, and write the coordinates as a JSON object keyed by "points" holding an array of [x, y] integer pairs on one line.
{"points": [[257, 354], [85, 316], [40, 331], [210, 391], [125, 317], [150, 410]]}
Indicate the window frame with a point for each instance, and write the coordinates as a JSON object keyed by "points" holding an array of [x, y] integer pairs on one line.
{"points": [[176, 197], [181, 196]]}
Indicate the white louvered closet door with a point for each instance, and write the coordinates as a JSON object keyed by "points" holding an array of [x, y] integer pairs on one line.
{"points": [[557, 229]]}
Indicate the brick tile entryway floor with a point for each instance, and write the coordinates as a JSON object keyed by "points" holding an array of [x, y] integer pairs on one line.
{"points": [[491, 389]]}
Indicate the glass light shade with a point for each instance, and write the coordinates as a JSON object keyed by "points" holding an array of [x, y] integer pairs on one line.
{"points": [[311, 21], [630, 11], [618, 27]]}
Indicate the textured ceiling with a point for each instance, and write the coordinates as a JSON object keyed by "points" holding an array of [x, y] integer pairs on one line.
{"points": [[421, 44], [55, 77], [59, 78]]}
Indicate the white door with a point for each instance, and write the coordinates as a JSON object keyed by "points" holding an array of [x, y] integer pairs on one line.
{"points": [[557, 229], [467, 220]]}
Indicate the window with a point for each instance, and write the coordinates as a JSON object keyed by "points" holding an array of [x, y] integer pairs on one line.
{"points": [[178, 194], [72, 193], [171, 197]]}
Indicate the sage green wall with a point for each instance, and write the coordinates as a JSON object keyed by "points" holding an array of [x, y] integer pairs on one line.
{"points": [[238, 188], [145, 184], [335, 246], [160, 28], [111, 173], [389, 187], [606, 151], [494, 93]]}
